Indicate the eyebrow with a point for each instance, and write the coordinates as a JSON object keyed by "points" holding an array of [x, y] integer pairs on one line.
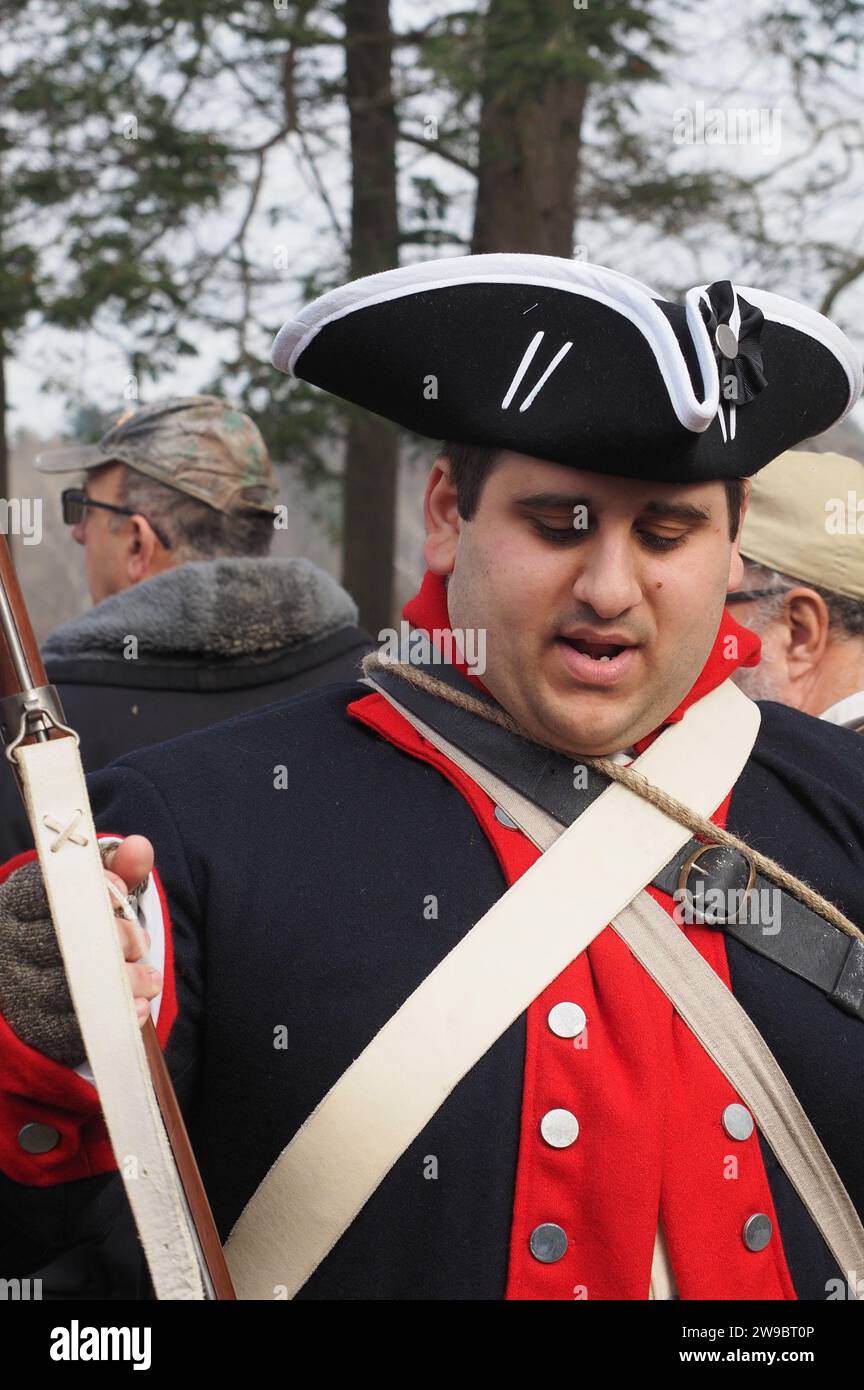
{"points": [[678, 511], [670, 511]]}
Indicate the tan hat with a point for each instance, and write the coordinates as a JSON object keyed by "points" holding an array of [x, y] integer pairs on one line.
{"points": [[803, 519], [200, 445]]}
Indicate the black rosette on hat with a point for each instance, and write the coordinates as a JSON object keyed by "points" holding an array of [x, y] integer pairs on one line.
{"points": [[578, 364], [735, 328]]}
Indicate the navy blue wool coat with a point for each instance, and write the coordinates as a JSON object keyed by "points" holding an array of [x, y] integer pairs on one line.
{"points": [[301, 908]]}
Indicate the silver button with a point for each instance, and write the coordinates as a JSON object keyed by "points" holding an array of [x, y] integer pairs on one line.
{"points": [[548, 1243], [567, 1020], [757, 1231], [38, 1139], [559, 1128], [726, 341], [502, 817], [737, 1121]]}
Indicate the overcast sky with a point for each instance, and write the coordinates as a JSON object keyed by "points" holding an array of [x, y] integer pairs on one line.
{"points": [[728, 67]]}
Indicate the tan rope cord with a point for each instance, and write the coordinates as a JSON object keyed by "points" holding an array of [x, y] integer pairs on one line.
{"points": [[634, 781]]}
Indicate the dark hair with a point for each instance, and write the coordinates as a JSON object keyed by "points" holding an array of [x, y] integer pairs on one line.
{"points": [[196, 530], [471, 464]]}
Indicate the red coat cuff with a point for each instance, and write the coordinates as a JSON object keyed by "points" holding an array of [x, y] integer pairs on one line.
{"points": [[35, 1090]]}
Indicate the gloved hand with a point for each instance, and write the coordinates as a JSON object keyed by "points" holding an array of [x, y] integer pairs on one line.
{"points": [[34, 995]]}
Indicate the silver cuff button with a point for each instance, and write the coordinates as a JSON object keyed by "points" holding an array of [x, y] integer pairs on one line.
{"points": [[38, 1139]]}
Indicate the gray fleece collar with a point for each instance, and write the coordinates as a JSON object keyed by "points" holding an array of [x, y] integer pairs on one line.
{"points": [[223, 608]]}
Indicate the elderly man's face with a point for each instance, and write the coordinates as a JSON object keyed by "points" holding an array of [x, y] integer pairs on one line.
{"points": [[104, 543], [596, 630]]}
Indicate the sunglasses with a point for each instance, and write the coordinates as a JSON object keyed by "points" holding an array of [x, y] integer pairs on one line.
{"points": [[75, 502], [742, 595]]}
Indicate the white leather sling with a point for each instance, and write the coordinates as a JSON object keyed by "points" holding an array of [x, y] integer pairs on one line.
{"points": [[381, 1103], [59, 809]]}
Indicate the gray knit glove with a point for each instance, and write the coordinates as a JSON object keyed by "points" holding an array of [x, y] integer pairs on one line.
{"points": [[34, 995]]}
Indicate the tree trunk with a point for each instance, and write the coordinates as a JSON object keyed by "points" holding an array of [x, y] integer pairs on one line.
{"points": [[530, 129], [372, 453], [5, 478]]}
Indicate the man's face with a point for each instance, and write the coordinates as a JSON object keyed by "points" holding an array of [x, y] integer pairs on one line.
{"points": [[105, 544], [641, 582], [770, 679]]}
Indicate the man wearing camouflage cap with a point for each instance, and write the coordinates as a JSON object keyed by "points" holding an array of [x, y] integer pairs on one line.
{"points": [[198, 446], [803, 587], [193, 620]]}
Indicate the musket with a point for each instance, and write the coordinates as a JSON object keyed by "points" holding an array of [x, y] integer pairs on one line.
{"points": [[141, 1111]]}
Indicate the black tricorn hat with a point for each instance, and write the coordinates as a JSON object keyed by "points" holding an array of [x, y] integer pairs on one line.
{"points": [[578, 364]]}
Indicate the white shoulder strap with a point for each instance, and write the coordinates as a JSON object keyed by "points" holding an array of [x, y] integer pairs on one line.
{"points": [[382, 1102], [59, 810]]}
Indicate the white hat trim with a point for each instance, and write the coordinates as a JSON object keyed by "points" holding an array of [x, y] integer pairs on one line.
{"points": [[636, 303]]}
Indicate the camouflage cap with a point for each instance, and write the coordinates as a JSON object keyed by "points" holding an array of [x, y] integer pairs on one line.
{"points": [[200, 445]]}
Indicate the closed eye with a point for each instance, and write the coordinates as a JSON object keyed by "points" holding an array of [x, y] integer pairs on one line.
{"points": [[558, 533], [652, 541], [563, 535]]}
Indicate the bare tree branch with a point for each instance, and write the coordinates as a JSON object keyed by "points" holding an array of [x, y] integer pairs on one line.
{"points": [[341, 233], [436, 147], [841, 282]]}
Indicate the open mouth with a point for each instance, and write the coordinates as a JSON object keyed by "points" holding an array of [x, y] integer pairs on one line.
{"points": [[591, 662], [598, 651]]}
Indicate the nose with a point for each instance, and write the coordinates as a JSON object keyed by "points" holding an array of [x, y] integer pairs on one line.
{"points": [[77, 532], [607, 580]]}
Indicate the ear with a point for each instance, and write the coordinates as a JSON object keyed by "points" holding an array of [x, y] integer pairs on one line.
{"points": [[805, 631], [442, 520], [142, 550]]}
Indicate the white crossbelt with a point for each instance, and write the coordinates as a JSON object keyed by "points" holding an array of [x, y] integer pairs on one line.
{"points": [[57, 802], [546, 918]]}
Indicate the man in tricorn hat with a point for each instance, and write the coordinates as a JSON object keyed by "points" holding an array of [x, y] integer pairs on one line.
{"points": [[486, 1090]]}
